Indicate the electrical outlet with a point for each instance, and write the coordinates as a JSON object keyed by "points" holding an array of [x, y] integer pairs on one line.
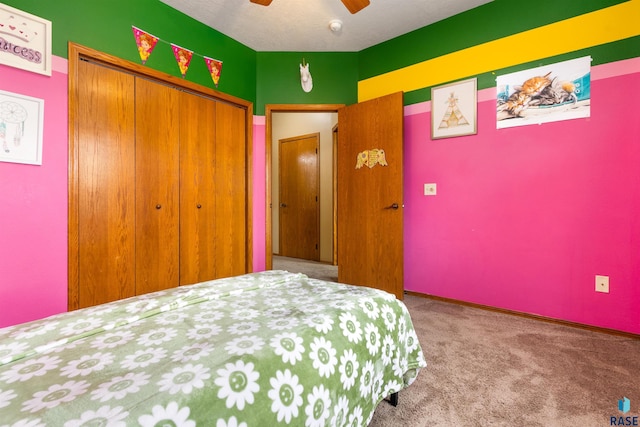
{"points": [[602, 284], [430, 189]]}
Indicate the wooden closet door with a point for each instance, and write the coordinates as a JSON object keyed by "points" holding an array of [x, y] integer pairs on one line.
{"points": [[105, 189], [157, 193], [197, 198], [230, 191]]}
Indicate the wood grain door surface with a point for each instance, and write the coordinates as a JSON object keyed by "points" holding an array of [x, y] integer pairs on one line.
{"points": [[159, 186], [105, 203], [197, 188], [370, 199], [231, 192], [299, 192], [157, 192]]}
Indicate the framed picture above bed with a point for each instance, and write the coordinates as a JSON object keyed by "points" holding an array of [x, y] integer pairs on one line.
{"points": [[454, 109]]}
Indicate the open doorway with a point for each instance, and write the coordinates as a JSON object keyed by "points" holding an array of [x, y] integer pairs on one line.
{"points": [[280, 123], [370, 228]]}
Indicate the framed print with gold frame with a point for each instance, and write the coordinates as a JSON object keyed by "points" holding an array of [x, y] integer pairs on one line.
{"points": [[454, 108]]}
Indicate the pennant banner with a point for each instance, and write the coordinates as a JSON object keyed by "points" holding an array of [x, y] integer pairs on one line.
{"points": [[145, 41], [183, 57], [215, 68]]}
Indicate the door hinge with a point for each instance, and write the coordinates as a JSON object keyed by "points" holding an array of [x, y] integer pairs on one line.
{"points": [[316, 246]]}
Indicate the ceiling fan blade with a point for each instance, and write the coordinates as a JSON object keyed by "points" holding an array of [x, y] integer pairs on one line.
{"points": [[354, 5], [262, 2]]}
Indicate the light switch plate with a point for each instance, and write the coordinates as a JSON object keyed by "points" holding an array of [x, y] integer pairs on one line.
{"points": [[602, 284], [430, 189]]}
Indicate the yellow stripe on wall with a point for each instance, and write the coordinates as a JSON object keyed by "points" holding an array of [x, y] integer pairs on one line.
{"points": [[591, 29]]}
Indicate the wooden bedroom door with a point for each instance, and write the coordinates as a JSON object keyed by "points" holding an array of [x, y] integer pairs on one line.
{"points": [[370, 195], [299, 189], [157, 194]]}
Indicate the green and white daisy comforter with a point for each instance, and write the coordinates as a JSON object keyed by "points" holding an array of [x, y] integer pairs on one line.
{"points": [[262, 349]]}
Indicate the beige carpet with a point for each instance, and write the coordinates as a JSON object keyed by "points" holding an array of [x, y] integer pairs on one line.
{"points": [[313, 269], [493, 369]]}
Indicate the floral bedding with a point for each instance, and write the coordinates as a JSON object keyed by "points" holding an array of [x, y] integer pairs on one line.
{"points": [[262, 349]]}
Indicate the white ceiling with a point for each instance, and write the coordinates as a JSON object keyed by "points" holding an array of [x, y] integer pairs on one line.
{"points": [[303, 25]]}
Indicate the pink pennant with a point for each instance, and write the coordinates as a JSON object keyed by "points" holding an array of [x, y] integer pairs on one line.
{"points": [[145, 41], [215, 68], [183, 57]]}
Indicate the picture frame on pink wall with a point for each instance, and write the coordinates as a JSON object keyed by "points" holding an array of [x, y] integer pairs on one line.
{"points": [[548, 93], [21, 128], [25, 40], [454, 109]]}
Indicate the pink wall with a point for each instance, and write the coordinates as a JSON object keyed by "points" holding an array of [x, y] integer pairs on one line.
{"points": [[259, 193], [33, 207], [524, 218]]}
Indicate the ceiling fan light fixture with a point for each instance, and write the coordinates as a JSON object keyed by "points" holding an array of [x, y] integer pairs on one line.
{"points": [[335, 25], [355, 6]]}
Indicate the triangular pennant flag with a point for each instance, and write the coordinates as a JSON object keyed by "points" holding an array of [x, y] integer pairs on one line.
{"points": [[145, 41], [215, 68], [183, 57]]}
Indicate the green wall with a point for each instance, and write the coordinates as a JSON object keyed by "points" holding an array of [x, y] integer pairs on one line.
{"points": [[262, 78], [105, 25], [494, 20], [335, 78], [273, 77], [602, 54]]}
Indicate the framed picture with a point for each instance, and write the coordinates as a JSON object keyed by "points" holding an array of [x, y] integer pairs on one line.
{"points": [[550, 93], [454, 109], [21, 124], [25, 41]]}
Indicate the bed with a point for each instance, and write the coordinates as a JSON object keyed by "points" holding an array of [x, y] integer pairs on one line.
{"points": [[262, 349]]}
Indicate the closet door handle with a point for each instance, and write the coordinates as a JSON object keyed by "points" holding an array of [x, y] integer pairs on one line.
{"points": [[158, 206], [394, 206], [198, 206]]}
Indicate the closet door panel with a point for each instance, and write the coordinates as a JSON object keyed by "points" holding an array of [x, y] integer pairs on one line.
{"points": [[230, 191], [157, 177], [104, 126], [197, 198]]}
